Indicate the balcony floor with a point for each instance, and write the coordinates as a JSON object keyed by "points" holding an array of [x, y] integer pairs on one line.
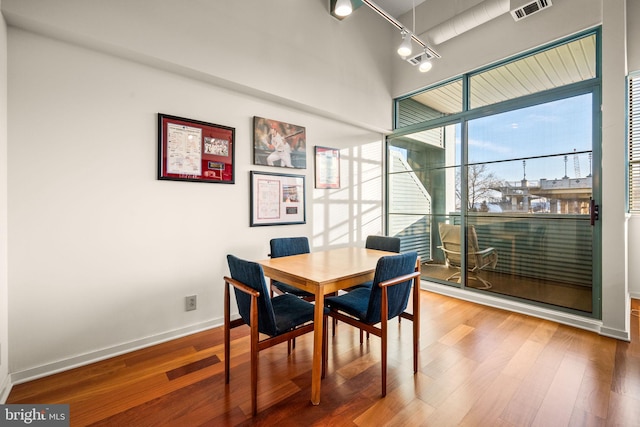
{"points": [[532, 289]]}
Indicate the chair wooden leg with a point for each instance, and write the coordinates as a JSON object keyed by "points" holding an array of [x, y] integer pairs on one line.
{"points": [[415, 350], [254, 378], [361, 335], [383, 337], [325, 345], [227, 333], [384, 319], [415, 319], [254, 356]]}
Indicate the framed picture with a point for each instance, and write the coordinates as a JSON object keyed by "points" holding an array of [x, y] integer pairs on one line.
{"points": [[190, 150], [327, 167], [279, 144], [277, 199]]}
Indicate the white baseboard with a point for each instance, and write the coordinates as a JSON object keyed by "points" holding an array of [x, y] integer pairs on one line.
{"points": [[95, 356], [5, 389], [615, 333], [634, 295]]}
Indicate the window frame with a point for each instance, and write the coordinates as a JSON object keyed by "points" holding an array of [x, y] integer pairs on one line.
{"points": [[591, 85], [633, 143]]}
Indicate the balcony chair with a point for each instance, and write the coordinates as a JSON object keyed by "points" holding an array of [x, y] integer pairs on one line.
{"points": [[477, 259], [280, 318], [387, 298]]}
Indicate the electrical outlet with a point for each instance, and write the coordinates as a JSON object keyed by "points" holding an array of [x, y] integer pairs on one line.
{"points": [[191, 302]]}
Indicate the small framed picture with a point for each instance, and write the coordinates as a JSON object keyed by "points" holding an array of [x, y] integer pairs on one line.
{"points": [[191, 150], [279, 144], [327, 167], [277, 199]]}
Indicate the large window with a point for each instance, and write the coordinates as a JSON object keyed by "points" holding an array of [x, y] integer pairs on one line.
{"points": [[496, 196]]}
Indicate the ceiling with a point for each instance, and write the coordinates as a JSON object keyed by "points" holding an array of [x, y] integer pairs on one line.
{"points": [[562, 65], [397, 8]]}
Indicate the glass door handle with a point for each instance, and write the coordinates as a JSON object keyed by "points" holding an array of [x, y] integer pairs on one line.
{"points": [[594, 211]]}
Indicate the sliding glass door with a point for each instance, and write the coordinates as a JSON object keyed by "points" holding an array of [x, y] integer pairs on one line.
{"points": [[492, 179], [518, 197]]}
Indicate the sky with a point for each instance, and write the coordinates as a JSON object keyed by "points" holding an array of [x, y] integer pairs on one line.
{"points": [[553, 130]]}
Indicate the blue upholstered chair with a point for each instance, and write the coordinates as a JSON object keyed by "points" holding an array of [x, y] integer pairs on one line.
{"points": [[280, 318], [286, 246], [387, 298], [381, 243]]}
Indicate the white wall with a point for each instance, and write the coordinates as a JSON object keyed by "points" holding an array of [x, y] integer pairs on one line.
{"points": [[633, 49], [4, 316], [615, 290], [633, 35], [292, 51], [102, 254]]}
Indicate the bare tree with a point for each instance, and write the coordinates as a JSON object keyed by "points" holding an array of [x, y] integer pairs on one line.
{"points": [[481, 186]]}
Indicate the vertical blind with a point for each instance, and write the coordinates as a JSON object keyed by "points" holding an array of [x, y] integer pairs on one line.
{"points": [[634, 143]]}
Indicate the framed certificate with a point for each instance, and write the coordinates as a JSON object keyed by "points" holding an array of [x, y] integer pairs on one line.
{"points": [[327, 167], [277, 199]]}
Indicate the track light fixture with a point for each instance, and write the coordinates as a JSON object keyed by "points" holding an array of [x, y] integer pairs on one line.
{"points": [[425, 63], [405, 48], [343, 8]]}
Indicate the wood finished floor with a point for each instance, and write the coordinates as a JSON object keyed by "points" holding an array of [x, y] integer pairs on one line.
{"points": [[479, 366]]}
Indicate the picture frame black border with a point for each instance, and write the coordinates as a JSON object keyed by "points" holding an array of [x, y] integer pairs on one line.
{"points": [[253, 220], [167, 118], [299, 158]]}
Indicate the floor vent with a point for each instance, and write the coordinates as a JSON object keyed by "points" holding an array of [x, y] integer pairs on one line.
{"points": [[521, 9]]}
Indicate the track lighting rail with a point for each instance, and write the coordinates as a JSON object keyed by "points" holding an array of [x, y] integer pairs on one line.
{"points": [[432, 53]]}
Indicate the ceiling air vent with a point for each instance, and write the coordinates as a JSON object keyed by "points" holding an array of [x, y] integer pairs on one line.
{"points": [[521, 9]]}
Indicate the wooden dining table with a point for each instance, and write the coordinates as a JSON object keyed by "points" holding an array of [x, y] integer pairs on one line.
{"points": [[326, 272]]}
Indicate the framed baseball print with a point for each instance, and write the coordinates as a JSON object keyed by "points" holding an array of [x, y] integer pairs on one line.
{"points": [[279, 144]]}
